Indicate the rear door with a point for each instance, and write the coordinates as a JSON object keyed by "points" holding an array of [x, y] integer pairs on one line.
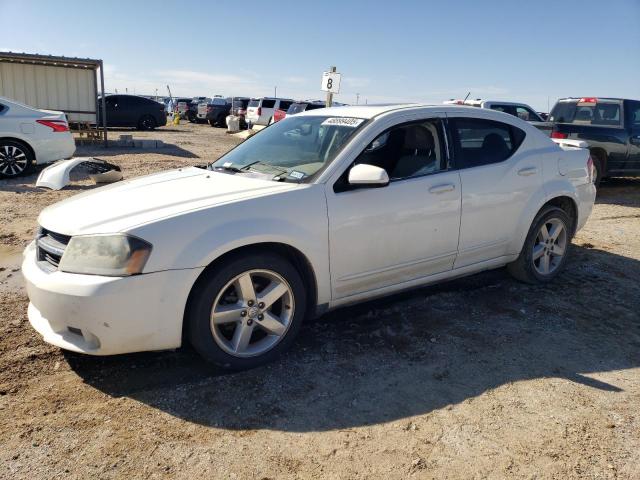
{"points": [[498, 180], [633, 121]]}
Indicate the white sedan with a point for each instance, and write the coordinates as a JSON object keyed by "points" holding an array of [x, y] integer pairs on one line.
{"points": [[29, 136], [323, 209]]}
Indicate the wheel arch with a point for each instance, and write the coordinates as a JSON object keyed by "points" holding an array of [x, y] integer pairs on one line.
{"points": [[602, 156], [562, 200], [23, 142], [298, 259]]}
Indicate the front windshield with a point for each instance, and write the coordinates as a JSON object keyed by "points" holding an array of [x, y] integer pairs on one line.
{"points": [[293, 148]]}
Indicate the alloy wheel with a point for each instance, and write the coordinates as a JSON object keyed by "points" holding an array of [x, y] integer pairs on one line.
{"points": [[550, 246], [252, 313], [13, 160]]}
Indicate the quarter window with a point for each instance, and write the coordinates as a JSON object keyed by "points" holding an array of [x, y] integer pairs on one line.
{"points": [[268, 103], [479, 142]]}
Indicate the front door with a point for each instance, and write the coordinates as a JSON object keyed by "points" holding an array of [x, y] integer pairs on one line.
{"points": [[407, 230]]}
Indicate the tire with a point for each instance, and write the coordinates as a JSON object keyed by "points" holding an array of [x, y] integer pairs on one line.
{"points": [[15, 159], [238, 339], [192, 117], [222, 121], [147, 122], [529, 269], [212, 123], [598, 163]]}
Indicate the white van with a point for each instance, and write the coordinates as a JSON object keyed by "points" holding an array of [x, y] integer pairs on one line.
{"points": [[260, 110]]}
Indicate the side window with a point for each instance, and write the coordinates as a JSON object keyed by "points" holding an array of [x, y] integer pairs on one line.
{"points": [[634, 114], [284, 105], [268, 103], [526, 114], [504, 108], [2, 107], [407, 151], [479, 142]]}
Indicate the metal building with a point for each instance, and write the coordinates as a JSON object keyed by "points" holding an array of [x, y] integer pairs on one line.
{"points": [[69, 85]]}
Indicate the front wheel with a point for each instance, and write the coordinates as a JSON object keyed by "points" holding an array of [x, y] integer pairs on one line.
{"points": [[147, 123], [247, 311], [545, 248]]}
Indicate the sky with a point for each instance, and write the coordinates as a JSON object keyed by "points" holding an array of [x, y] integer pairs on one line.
{"points": [[400, 51]]}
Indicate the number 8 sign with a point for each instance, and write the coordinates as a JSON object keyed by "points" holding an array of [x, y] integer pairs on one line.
{"points": [[331, 82]]}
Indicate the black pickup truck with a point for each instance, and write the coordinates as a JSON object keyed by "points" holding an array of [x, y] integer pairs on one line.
{"points": [[611, 128], [219, 108]]}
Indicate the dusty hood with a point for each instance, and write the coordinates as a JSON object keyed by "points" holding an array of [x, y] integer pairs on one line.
{"points": [[121, 206]]}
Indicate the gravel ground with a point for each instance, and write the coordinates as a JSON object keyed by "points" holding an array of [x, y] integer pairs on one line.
{"points": [[481, 377]]}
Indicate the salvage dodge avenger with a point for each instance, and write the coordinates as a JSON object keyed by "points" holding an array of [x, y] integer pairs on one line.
{"points": [[323, 209]]}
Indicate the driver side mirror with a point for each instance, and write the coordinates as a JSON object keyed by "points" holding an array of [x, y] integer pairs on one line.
{"points": [[364, 174]]}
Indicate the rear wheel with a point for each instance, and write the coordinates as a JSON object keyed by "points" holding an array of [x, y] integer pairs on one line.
{"points": [[545, 248], [598, 163], [147, 123], [247, 311], [212, 123], [15, 158]]}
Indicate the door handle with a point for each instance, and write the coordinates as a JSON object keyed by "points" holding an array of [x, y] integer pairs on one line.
{"points": [[525, 172], [444, 188]]}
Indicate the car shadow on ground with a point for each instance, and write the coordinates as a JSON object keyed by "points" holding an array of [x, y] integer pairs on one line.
{"points": [[405, 355], [619, 191], [114, 148]]}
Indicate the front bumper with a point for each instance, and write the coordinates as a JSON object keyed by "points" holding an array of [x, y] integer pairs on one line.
{"points": [[107, 315]]}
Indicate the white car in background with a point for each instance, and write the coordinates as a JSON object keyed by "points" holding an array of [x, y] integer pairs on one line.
{"points": [[29, 136], [260, 110], [325, 208]]}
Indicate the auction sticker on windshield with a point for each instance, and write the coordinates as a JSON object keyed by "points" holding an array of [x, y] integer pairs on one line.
{"points": [[344, 121]]}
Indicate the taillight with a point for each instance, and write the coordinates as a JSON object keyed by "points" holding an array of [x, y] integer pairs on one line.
{"points": [[259, 111], [55, 125], [559, 135], [591, 169]]}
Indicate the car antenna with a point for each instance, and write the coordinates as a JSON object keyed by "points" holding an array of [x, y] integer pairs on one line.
{"points": [[465, 98]]}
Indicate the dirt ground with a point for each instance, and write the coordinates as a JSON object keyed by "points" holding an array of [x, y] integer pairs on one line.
{"points": [[481, 377]]}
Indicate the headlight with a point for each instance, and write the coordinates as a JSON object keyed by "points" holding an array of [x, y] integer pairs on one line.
{"points": [[111, 255]]}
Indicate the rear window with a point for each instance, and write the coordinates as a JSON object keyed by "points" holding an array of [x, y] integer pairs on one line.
{"points": [[296, 108], [240, 103], [268, 103], [586, 113], [254, 103], [218, 101]]}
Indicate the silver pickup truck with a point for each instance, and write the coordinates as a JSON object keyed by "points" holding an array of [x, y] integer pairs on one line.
{"points": [[520, 110]]}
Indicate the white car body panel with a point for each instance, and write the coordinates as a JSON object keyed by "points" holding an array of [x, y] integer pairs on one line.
{"points": [[266, 113], [360, 244], [18, 121]]}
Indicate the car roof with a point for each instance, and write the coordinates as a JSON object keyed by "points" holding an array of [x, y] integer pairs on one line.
{"points": [[371, 111]]}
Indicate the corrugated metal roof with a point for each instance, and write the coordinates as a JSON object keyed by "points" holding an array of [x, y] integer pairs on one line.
{"points": [[36, 59]]}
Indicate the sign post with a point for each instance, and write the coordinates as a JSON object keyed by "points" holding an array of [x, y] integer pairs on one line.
{"points": [[330, 84]]}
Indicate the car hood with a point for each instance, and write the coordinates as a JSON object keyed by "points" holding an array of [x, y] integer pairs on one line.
{"points": [[124, 205]]}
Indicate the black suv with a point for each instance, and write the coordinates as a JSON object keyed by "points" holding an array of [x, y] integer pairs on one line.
{"points": [[611, 127], [132, 111]]}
